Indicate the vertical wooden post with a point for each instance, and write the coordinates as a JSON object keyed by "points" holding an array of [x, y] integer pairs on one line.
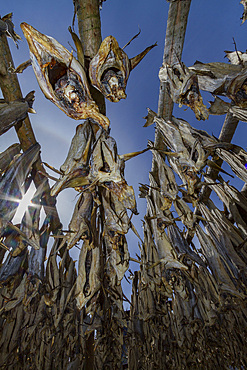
{"points": [[89, 26], [174, 41]]}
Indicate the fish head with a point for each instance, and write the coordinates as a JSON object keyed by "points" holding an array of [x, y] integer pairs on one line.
{"points": [[109, 70], [183, 88]]}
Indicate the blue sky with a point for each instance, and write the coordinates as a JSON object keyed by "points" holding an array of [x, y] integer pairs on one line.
{"points": [[211, 27]]}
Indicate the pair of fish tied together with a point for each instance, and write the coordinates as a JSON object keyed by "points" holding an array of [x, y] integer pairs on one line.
{"points": [[93, 161]]}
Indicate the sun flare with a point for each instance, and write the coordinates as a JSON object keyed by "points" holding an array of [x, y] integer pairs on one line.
{"points": [[24, 203]]}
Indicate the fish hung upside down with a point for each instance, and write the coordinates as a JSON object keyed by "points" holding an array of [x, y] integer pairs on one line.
{"points": [[110, 68]]}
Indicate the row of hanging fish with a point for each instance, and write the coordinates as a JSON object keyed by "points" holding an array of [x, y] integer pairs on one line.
{"points": [[93, 163], [188, 153], [220, 79], [186, 285], [16, 175], [63, 79], [15, 170]]}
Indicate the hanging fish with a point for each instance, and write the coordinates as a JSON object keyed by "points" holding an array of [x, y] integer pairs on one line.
{"points": [[244, 16], [61, 77], [110, 68], [13, 112], [8, 155], [7, 26], [74, 170], [183, 88]]}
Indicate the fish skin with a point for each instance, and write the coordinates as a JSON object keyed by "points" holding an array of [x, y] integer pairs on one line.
{"points": [[7, 26], [110, 68], [13, 112], [8, 155]]}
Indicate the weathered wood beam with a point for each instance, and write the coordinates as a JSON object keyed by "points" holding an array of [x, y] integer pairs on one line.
{"points": [[89, 26], [174, 41]]}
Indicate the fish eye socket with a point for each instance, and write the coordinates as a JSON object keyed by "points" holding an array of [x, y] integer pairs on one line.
{"points": [[109, 73], [177, 72], [70, 90], [56, 70]]}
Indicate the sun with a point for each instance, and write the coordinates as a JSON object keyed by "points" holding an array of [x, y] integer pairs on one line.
{"points": [[24, 203]]}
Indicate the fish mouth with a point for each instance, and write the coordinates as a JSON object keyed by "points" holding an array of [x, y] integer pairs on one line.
{"points": [[61, 77], [78, 178], [109, 70], [112, 80]]}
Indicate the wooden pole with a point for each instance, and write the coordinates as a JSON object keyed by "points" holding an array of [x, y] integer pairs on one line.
{"points": [[89, 26], [174, 41]]}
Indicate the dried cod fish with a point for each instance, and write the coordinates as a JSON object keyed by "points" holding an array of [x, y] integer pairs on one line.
{"points": [[220, 107], [13, 112], [166, 254], [223, 79], [213, 76], [37, 256], [183, 88], [188, 156], [185, 213], [107, 169], [80, 223], [74, 170], [179, 138], [168, 185], [11, 265], [225, 235], [116, 225], [88, 279], [61, 77], [244, 16], [8, 155], [110, 68], [17, 295], [236, 57], [216, 263], [52, 276], [116, 217], [7, 26], [236, 203], [181, 246], [117, 256], [234, 156]]}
